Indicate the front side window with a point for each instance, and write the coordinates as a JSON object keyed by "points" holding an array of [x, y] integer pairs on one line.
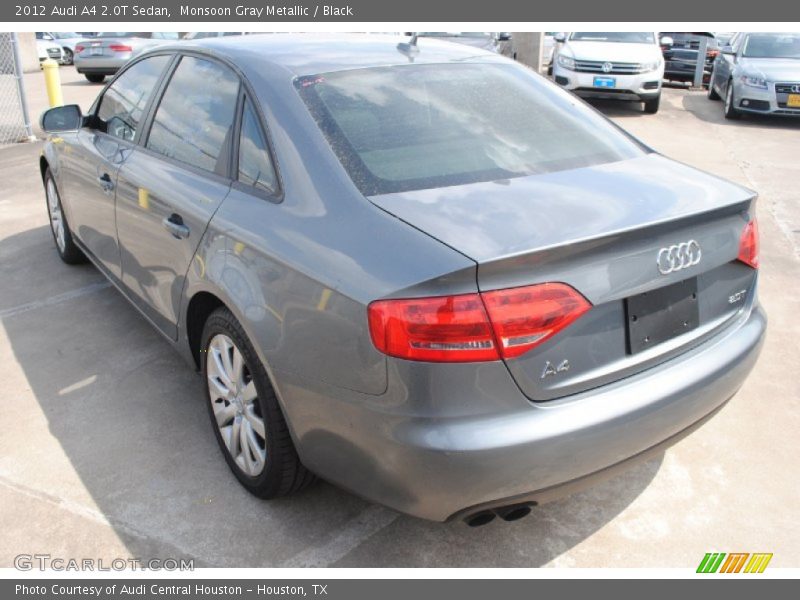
{"points": [[194, 121], [255, 165], [122, 106], [422, 126]]}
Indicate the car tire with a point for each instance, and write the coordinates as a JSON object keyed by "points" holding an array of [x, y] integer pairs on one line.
{"points": [[651, 106], [68, 57], [59, 227], [712, 93], [94, 78], [245, 413], [730, 103]]}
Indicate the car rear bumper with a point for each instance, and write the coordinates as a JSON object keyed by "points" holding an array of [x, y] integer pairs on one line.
{"points": [[642, 86], [98, 66], [450, 467]]}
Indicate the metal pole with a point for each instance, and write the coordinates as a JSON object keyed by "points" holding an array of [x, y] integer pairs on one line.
{"points": [[23, 99], [701, 62]]}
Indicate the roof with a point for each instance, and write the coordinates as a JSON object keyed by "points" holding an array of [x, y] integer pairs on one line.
{"points": [[308, 54]]}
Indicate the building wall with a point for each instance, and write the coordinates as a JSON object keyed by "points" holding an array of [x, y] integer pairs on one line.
{"points": [[27, 51]]}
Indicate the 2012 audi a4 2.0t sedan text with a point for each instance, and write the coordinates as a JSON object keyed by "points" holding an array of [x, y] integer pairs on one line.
{"points": [[421, 272]]}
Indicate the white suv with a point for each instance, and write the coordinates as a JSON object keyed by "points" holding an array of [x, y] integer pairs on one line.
{"points": [[622, 65]]}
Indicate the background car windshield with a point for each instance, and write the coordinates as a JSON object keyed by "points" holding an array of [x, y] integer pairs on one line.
{"points": [[776, 45], [65, 35], [623, 37], [425, 126]]}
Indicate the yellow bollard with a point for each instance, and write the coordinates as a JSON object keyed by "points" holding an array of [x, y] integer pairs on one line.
{"points": [[52, 81]]}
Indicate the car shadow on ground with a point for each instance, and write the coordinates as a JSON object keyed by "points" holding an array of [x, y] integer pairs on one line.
{"points": [[711, 111], [618, 108], [129, 416]]}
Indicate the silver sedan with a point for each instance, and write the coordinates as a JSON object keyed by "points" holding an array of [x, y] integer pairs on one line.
{"points": [[97, 57], [758, 73]]}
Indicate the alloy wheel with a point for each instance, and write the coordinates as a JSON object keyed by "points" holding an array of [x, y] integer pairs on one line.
{"points": [[234, 401], [56, 217]]}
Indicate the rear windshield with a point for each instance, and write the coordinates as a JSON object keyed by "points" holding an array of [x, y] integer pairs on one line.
{"points": [[415, 127]]}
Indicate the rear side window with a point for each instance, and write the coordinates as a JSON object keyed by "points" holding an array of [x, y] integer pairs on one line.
{"points": [[414, 127], [122, 106], [255, 165], [194, 121]]}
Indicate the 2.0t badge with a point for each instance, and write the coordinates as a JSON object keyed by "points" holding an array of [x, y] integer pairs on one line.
{"points": [[678, 256]]}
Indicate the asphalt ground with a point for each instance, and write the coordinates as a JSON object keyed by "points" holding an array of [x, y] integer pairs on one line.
{"points": [[107, 452]]}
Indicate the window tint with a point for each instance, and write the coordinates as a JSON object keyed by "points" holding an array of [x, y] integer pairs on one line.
{"points": [[414, 127], [122, 106], [194, 119], [255, 165]]}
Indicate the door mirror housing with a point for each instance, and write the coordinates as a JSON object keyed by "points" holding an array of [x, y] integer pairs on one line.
{"points": [[667, 41], [61, 118], [560, 37], [727, 49]]}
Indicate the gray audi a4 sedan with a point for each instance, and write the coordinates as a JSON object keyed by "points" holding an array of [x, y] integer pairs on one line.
{"points": [[423, 273]]}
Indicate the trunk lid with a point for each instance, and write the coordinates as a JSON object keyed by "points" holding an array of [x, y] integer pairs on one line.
{"points": [[600, 230]]}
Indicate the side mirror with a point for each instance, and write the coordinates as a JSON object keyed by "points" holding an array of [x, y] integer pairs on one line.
{"points": [[667, 41], [61, 118], [560, 37], [726, 49]]}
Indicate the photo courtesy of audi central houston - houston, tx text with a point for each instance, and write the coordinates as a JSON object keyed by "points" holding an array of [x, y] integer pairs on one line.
{"points": [[315, 296]]}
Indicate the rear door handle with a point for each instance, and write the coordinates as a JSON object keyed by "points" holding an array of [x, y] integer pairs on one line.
{"points": [[174, 224], [105, 182]]}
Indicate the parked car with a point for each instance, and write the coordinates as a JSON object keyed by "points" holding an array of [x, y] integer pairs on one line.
{"points": [[613, 65], [104, 54], [549, 49], [758, 73], [680, 56], [200, 35], [723, 37], [446, 285], [66, 39], [485, 40], [48, 49]]}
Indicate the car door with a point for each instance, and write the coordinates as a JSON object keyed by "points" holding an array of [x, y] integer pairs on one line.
{"points": [[173, 182], [723, 68], [93, 159]]}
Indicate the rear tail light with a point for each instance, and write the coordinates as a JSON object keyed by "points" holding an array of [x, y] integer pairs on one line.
{"points": [[474, 327], [524, 317], [748, 244], [79, 48], [120, 48]]}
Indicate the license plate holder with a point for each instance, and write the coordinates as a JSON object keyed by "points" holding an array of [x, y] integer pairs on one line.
{"points": [[95, 50], [662, 314], [605, 82], [793, 101]]}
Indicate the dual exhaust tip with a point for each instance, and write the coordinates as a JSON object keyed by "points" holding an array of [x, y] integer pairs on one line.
{"points": [[513, 512]]}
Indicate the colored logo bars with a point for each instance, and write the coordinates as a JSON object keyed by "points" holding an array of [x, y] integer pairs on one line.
{"points": [[736, 562]]}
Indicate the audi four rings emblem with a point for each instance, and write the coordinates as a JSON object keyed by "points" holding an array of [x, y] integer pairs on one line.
{"points": [[679, 256], [607, 67], [796, 88]]}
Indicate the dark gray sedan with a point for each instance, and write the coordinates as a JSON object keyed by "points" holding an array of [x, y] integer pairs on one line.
{"points": [[425, 274]]}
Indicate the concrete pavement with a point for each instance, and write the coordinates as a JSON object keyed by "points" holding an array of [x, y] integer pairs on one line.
{"points": [[107, 450], [74, 87]]}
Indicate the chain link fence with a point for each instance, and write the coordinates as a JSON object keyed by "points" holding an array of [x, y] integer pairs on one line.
{"points": [[14, 122]]}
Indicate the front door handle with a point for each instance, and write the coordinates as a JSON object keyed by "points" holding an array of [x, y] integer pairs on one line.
{"points": [[105, 182], [174, 224]]}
